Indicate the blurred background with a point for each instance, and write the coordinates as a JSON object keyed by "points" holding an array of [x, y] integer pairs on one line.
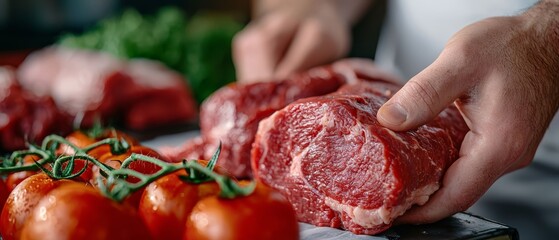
{"points": [[190, 37], [35, 23], [31, 24]]}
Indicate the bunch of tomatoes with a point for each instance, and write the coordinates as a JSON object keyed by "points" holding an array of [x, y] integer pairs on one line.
{"points": [[109, 186]]}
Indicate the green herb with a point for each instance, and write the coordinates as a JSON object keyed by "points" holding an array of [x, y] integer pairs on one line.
{"points": [[198, 47]]}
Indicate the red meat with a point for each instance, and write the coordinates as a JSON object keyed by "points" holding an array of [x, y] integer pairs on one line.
{"points": [[340, 168], [25, 118], [141, 94], [231, 115]]}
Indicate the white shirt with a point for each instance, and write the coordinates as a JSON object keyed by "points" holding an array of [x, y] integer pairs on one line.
{"points": [[416, 31]]}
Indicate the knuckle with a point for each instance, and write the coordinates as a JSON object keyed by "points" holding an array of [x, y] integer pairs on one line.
{"points": [[425, 92], [249, 41]]}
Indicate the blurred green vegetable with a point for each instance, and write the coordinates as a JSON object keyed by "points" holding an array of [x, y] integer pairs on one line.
{"points": [[198, 47]]}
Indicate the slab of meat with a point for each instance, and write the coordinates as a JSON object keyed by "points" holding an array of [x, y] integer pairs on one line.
{"points": [[25, 118], [141, 94], [231, 115], [340, 168]]}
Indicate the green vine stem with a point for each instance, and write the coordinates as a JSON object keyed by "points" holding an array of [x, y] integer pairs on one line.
{"points": [[117, 188], [47, 155], [15, 162]]}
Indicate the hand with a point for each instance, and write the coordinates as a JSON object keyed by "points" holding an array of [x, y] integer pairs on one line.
{"points": [[293, 36], [503, 75]]}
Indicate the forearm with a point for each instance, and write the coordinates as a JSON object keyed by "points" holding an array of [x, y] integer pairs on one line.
{"points": [[350, 11], [542, 21]]}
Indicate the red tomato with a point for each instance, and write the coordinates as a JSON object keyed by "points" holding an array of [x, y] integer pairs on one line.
{"points": [[4, 191], [166, 204], [13, 179], [113, 133], [82, 140], [264, 214], [22, 200], [115, 161], [74, 211], [78, 138]]}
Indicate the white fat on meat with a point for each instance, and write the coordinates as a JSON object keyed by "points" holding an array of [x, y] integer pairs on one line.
{"points": [[369, 218], [74, 78]]}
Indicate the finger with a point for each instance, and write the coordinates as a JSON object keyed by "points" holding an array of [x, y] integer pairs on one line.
{"points": [[424, 96], [311, 46], [258, 48], [464, 182]]}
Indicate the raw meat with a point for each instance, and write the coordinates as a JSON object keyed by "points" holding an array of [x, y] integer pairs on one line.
{"points": [[231, 115], [339, 168], [141, 94], [25, 118]]}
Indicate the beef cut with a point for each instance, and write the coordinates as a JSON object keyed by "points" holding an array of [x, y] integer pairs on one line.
{"points": [[25, 118], [140, 94], [231, 116], [340, 168]]}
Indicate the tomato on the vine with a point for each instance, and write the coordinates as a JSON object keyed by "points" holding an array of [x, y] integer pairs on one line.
{"points": [[13, 179], [115, 161], [166, 204], [75, 211], [78, 138], [22, 200], [264, 214]]}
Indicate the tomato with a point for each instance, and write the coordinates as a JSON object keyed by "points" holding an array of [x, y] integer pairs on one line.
{"points": [[74, 211], [13, 179], [82, 140], [78, 138], [264, 214], [4, 191], [22, 200], [166, 204], [115, 161]]}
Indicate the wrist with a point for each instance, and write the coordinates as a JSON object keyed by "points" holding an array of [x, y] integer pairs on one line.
{"points": [[541, 26], [542, 22]]}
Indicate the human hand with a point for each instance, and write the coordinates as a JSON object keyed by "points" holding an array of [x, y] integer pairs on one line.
{"points": [[293, 35], [503, 75]]}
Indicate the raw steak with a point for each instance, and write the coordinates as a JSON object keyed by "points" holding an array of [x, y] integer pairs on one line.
{"points": [[25, 118], [231, 115], [338, 167], [141, 94]]}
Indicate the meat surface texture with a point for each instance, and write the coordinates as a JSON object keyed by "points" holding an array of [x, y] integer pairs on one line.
{"points": [[231, 115], [25, 118], [140, 94], [340, 168]]}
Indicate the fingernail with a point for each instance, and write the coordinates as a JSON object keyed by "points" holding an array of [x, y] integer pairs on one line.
{"points": [[393, 114]]}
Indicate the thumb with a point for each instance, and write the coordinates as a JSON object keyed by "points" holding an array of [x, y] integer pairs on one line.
{"points": [[424, 96]]}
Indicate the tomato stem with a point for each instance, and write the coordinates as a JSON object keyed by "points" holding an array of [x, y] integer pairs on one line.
{"points": [[15, 162], [117, 188], [116, 185]]}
